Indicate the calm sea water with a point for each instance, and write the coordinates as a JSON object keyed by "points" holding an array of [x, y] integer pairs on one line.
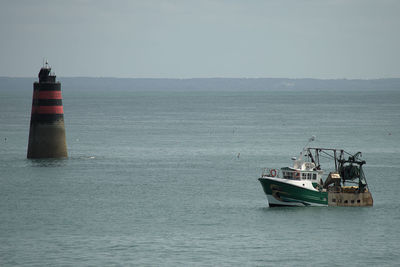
{"points": [[153, 179]]}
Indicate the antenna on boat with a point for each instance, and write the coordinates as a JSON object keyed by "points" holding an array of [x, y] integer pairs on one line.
{"points": [[300, 158], [312, 138]]}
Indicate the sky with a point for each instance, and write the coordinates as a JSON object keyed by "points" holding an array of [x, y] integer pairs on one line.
{"points": [[353, 39]]}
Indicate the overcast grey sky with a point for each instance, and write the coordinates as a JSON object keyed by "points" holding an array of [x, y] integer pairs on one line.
{"points": [[185, 39]]}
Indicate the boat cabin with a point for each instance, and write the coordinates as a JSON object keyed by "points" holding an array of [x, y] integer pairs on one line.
{"points": [[302, 171], [289, 173]]}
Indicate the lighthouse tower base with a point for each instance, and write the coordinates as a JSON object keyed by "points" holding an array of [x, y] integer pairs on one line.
{"points": [[47, 141]]}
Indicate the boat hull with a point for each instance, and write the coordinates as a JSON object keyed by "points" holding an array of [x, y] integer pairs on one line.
{"points": [[281, 192]]}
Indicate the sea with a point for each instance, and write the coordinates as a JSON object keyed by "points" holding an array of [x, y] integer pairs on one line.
{"points": [[170, 178]]}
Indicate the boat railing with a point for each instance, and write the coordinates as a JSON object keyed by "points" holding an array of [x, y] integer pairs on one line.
{"points": [[271, 172]]}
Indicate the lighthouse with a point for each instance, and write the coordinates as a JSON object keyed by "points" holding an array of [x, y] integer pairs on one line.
{"points": [[47, 129]]}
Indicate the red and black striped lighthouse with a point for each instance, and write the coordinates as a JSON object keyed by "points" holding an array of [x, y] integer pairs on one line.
{"points": [[47, 130]]}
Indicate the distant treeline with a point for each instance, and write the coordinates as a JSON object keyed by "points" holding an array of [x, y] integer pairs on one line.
{"points": [[227, 84]]}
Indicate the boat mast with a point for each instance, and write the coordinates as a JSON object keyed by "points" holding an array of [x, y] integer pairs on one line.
{"points": [[337, 155]]}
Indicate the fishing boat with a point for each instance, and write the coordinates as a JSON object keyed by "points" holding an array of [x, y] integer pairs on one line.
{"points": [[307, 184]]}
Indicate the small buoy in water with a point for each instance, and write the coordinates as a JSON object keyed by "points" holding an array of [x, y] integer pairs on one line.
{"points": [[238, 155]]}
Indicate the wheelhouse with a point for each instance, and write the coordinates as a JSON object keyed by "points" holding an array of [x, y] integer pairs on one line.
{"points": [[289, 173]]}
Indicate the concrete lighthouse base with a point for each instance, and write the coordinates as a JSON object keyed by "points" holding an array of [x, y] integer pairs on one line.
{"points": [[47, 141]]}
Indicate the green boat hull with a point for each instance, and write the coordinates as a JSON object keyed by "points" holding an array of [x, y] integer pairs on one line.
{"points": [[287, 194]]}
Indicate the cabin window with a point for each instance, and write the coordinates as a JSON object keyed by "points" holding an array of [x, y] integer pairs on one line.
{"points": [[303, 175], [288, 175], [358, 201], [314, 176], [345, 201], [309, 176], [333, 199], [352, 201]]}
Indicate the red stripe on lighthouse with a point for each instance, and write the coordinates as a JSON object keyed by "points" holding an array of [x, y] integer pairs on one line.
{"points": [[48, 110], [47, 95]]}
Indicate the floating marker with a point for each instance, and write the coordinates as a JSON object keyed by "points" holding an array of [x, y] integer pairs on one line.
{"points": [[47, 130]]}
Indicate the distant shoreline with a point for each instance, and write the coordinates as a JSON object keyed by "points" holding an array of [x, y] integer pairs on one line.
{"points": [[226, 84]]}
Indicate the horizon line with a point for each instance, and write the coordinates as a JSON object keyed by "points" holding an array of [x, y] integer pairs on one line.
{"points": [[200, 78]]}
